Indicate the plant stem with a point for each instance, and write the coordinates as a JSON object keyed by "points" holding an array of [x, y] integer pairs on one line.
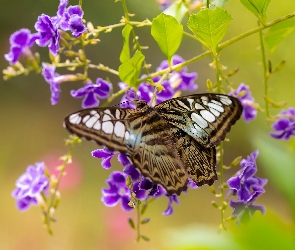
{"points": [[138, 221], [265, 72]]}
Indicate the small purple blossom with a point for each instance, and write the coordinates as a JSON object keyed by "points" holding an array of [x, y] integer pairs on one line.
{"points": [[245, 209], [53, 79], [117, 191], [29, 186], [20, 42], [247, 187], [249, 113], [285, 126], [106, 156], [91, 92], [72, 20], [48, 33], [181, 80], [172, 199]]}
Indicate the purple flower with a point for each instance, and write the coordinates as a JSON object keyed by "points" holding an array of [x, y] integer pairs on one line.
{"points": [[129, 169], [249, 113], [72, 20], [106, 156], [29, 186], [20, 42], [244, 210], [285, 125], [181, 80], [53, 79], [91, 92], [172, 199], [117, 191], [48, 33], [247, 187]]}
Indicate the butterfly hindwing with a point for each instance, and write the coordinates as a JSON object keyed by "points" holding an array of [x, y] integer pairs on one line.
{"points": [[200, 162], [205, 117], [158, 157]]}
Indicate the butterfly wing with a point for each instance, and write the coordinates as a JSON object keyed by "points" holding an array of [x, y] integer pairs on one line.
{"points": [[110, 127], [205, 117], [141, 134], [200, 162], [158, 157]]}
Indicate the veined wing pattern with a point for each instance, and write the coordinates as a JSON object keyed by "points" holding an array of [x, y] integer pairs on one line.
{"points": [[168, 143]]}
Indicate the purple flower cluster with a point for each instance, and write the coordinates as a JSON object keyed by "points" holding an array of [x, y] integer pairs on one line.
{"points": [[47, 31], [91, 92], [245, 97], [285, 125], [30, 186], [181, 80], [118, 191], [247, 188]]}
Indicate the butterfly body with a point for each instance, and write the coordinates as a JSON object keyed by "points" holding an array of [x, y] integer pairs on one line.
{"points": [[169, 143]]}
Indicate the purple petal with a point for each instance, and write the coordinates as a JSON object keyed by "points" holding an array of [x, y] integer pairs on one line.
{"points": [[102, 153], [110, 200], [124, 202], [234, 183], [90, 101], [118, 178]]}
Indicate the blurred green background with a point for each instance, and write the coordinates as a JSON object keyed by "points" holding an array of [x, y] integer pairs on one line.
{"points": [[31, 131]]}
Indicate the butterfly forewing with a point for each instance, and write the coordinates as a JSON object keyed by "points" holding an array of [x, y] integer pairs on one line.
{"points": [[110, 127], [205, 117]]}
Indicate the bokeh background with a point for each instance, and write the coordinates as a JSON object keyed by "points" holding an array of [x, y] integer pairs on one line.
{"points": [[31, 131]]}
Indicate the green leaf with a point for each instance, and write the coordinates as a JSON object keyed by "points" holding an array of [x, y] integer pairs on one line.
{"points": [[125, 53], [129, 71], [219, 3], [210, 26], [168, 34], [279, 164], [278, 33], [257, 7], [131, 223], [176, 9]]}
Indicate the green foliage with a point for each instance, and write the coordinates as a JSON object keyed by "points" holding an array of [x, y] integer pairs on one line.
{"points": [[168, 34], [210, 26], [129, 71], [125, 53], [257, 7], [279, 164], [279, 32]]}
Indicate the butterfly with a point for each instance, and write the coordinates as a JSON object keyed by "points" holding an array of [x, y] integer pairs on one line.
{"points": [[168, 143]]}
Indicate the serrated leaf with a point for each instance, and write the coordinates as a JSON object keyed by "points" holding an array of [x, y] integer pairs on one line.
{"points": [[168, 34], [210, 26], [278, 33], [257, 7], [177, 10], [219, 3], [125, 53], [129, 71]]}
